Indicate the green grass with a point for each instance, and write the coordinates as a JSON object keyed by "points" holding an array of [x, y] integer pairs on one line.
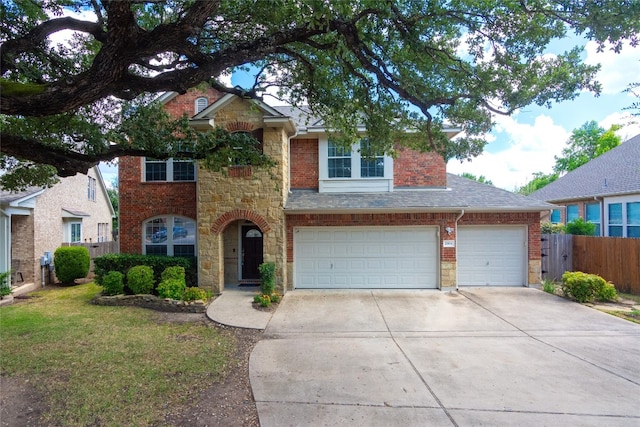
{"points": [[108, 366]]}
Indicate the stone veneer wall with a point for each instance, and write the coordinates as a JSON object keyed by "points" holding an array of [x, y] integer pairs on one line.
{"points": [[258, 196]]}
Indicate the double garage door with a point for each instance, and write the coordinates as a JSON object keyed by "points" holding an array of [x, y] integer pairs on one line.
{"points": [[406, 257], [366, 257]]}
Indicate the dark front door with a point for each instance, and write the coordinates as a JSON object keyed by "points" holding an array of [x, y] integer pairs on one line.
{"points": [[251, 252]]}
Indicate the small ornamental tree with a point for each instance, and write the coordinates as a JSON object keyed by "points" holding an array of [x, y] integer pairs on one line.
{"points": [[71, 263]]}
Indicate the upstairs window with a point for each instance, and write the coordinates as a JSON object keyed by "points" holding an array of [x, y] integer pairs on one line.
{"points": [[91, 189], [169, 170], [201, 103], [338, 161], [371, 162]]}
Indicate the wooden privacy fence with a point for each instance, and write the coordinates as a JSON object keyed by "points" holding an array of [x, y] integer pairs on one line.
{"points": [[98, 248], [616, 259]]}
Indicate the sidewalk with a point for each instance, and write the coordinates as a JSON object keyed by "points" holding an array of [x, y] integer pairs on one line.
{"points": [[233, 308]]}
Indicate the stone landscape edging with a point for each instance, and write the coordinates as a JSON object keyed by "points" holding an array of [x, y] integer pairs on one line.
{"points": [[153, 302]]}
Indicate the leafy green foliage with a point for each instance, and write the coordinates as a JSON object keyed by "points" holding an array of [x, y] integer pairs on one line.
{"points": [[267, 277], [123, 262], [480, 178], [174, 272], [171, 288], [71, 262], [140, 279], [551, 228], [113, 193], [539, 180], [5, 283], [263, 300], [391, 66], [194, 293], [549, 286], [580, 227], [113, 283], [585, 287], [586, 143]]}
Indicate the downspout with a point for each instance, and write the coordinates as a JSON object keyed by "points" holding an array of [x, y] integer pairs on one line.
{"points": [[289, 160], [456, 244]]}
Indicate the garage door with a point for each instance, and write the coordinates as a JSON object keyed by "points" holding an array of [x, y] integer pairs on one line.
{"points": [[492, 256], [365, 257]]}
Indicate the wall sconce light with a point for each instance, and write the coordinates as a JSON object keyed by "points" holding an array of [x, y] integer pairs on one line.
{"points": [[449, 230]]}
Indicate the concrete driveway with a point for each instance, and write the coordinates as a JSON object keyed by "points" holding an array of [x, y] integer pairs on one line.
{"points": [[483, 356]]}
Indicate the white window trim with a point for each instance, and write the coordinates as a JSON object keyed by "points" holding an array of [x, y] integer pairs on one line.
{"points": [[612, 201], [169, 243], [68, 226], [196, 107], [169, 162], [355, 184]]}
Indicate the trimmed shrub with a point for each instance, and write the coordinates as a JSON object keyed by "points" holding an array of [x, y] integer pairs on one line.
{"points": [[267, 278], [175, 272], [71, 263], [112, 283], [140, 279], [194, 293], [580, 227], [171, 288], [123, 262], [585, 287]]}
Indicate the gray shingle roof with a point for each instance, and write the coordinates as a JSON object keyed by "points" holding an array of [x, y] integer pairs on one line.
{"points": [[11, 196], [461, 193], [615, 172]]}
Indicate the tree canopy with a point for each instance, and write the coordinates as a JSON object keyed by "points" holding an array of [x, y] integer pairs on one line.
{"points": [[390, 65], [482, 179]]}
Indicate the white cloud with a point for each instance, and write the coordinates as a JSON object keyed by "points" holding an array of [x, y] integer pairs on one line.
{"points": [[531, 148], [630, 124], [618, 69]]}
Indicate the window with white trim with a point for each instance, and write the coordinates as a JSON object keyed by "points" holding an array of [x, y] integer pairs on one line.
{"points": [[170, 170], [74, 232], [169, 235], [201, 103], [91, 189], [633, 219], [359, 169], [615, 220], [103, 232]]}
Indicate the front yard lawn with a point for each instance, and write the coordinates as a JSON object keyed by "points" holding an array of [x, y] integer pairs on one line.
{"points": [[108, 366]]}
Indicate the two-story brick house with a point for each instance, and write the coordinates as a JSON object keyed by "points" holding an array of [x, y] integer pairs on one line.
{"points": [[326, 216]]}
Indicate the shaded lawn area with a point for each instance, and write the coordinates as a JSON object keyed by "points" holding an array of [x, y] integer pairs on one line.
{"points": [[107, 366]]}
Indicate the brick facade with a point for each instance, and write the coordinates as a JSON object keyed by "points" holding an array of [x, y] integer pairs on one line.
{"points": [[414, 169], [304, 164]]}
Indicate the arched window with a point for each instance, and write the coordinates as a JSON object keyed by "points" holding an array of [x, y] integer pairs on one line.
{"points": [[201, 103], [169, 235]]}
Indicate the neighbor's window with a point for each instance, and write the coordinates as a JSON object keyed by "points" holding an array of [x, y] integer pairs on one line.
{"points": [[633, 219], [615, 220], [555, 216], [169, 235], [201, 104], [76, 232], [91, 189], [593, 215], [103, 232], [572, 212], [372, 166], [339, 161], [169, 170]]}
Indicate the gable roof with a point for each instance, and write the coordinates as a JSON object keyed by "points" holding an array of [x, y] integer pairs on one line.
{"points": [[461, 193], [615, 172]]}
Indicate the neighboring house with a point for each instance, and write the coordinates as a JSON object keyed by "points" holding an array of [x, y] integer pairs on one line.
{"points": [[35, 221], [327, 217], [605, 191]]}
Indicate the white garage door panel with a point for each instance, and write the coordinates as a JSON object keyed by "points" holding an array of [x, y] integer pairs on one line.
{"points": [[492, 256], [366, 257]]}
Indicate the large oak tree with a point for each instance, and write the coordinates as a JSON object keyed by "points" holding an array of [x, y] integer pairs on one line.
{"points": [[392, 65]]}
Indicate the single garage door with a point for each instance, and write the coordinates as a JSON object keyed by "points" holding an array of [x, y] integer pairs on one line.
{"points": [[492, 255], [365, 257]]}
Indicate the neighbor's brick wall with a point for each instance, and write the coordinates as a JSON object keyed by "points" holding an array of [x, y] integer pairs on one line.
{"points": [[304, 163], [140, 201], [186, 103], [22, 249], [415, 169]]}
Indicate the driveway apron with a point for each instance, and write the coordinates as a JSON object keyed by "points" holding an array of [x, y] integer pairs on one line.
{"points": [[481, 356]]}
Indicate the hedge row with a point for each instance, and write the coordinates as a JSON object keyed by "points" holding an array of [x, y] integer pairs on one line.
{"points": [[124, 262]]}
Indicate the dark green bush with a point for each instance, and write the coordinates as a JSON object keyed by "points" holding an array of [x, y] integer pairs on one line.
{"points": [[112, 283], [585, 287], [171, 288], [580, 227], [140, 279], [71, 262], [123, 262], [267, 278], [193, 294], [5, 283]]}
